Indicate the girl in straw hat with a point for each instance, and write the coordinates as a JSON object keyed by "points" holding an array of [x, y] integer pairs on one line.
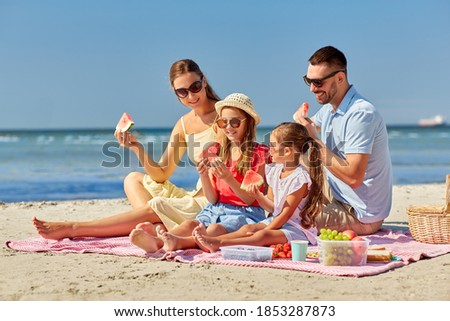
{"points": [[221, 172]]}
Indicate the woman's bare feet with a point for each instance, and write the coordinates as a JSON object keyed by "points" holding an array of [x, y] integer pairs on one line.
{"points": [[205, 242], [145, 241], [54, 230], [160, 230], [148, 228]]}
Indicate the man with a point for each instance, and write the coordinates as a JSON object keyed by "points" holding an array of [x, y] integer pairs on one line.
{"points": [[354, 146]]}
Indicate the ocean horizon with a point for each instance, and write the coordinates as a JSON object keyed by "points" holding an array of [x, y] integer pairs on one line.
{"points": [[69, 164]]}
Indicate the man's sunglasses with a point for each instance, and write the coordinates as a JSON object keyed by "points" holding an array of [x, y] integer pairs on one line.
{"points": [[234, 122], [194, 88], [319, 82]]}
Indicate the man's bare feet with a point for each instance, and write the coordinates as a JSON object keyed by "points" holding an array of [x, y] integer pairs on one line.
{"points": [[145, 241], [205, 242], [54, 230]]}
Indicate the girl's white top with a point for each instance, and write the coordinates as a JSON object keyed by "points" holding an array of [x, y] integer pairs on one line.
{"points": [[282, 187]]}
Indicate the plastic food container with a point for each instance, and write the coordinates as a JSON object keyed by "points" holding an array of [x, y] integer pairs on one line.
{"points": [[343, 253], [246, 253]]}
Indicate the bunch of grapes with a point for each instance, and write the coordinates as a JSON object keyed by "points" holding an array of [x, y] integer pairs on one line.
{"points": [[341, 253], [338, 256], [332, 235]]}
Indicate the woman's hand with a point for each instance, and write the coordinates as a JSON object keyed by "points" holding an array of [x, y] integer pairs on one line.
{"points": [[125, 139]]}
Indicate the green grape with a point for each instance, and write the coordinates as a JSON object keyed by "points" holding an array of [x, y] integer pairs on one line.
{"points": [[323, 230], [334, 232]]}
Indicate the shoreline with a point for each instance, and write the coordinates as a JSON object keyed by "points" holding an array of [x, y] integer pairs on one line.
{"points": [[93, 277]]}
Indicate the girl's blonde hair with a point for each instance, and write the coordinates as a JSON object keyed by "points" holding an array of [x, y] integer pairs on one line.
{"points": [[296, 136], [247, 146], [184, 66]]}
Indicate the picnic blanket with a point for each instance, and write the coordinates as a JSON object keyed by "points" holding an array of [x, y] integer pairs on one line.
{"points": [[400, 243]]}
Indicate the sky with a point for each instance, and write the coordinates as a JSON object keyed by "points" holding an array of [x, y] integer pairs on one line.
{"points": [[81, 64]]}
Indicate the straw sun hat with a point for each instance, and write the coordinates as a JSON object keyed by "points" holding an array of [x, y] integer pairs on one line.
{"points": [[240, 101]]}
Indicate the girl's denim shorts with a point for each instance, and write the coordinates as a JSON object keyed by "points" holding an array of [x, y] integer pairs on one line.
{"points": [[230, 216]]}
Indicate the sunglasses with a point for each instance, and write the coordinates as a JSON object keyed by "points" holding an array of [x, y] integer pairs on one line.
{"points": [[194, 88], [319, 82], [234, 122]]}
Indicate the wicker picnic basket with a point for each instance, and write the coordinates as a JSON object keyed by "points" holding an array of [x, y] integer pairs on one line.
{"points": [[431, 224]]}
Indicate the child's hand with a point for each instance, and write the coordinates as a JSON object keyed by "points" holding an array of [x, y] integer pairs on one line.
{"points": [[202, 166], [253, 191], [220, 171]]}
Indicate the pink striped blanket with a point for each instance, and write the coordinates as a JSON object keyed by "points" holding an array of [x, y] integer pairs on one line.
{"points": [[401, 244]]}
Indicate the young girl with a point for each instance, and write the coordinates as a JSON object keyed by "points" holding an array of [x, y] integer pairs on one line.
{"points": [[294, 197], [229, 206]]}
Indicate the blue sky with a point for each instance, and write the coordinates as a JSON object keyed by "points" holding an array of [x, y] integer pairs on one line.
{"points": [[81, 64]]}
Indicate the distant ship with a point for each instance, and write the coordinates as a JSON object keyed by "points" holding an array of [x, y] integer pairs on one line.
{"points": [[437, 120]]}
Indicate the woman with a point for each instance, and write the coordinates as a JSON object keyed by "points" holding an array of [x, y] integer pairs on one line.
{"points": [[153, 198]]}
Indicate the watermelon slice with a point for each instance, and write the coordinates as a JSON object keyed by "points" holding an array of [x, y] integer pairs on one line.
{"points": [[301, 111], [125, 123], [251, 177], [304, 109], [211, 155], [214, 161]]}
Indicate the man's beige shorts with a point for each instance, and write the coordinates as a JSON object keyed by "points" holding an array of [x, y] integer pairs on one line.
{"points": [[340, 216]]}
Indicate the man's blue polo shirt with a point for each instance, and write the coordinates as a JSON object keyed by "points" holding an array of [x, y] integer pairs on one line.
{"points": [[357, 128]]}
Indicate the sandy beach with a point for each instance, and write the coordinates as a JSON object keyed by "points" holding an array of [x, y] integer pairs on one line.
{"points": [[48, 276]]}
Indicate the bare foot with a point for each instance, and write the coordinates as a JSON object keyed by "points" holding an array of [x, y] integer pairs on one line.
{"points": [[160, 230], [171, 242], [205, 242], [147, 227], [145, 241], [200, 229], [54, 230]]}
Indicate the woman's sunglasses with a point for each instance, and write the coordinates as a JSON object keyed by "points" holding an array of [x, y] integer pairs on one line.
{"points": [[319, 82], [194, 88], [234, 122]]}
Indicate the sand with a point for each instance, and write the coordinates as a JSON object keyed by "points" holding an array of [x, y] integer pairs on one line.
{"points": [[94, 277]]}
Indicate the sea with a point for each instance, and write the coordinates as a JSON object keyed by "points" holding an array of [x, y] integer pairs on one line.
{"points": [[52, 165]]}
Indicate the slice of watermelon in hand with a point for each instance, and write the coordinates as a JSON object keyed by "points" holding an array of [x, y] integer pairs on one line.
{"points": [[210, 156], [302, 111], [125, 123], [251, 177], [214, 161]]}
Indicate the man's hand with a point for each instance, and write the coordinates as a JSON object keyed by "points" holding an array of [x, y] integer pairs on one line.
{"points": [[302, 111]]}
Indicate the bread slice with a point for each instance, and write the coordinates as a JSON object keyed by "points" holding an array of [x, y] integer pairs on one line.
{"points": [[379, 255]]}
